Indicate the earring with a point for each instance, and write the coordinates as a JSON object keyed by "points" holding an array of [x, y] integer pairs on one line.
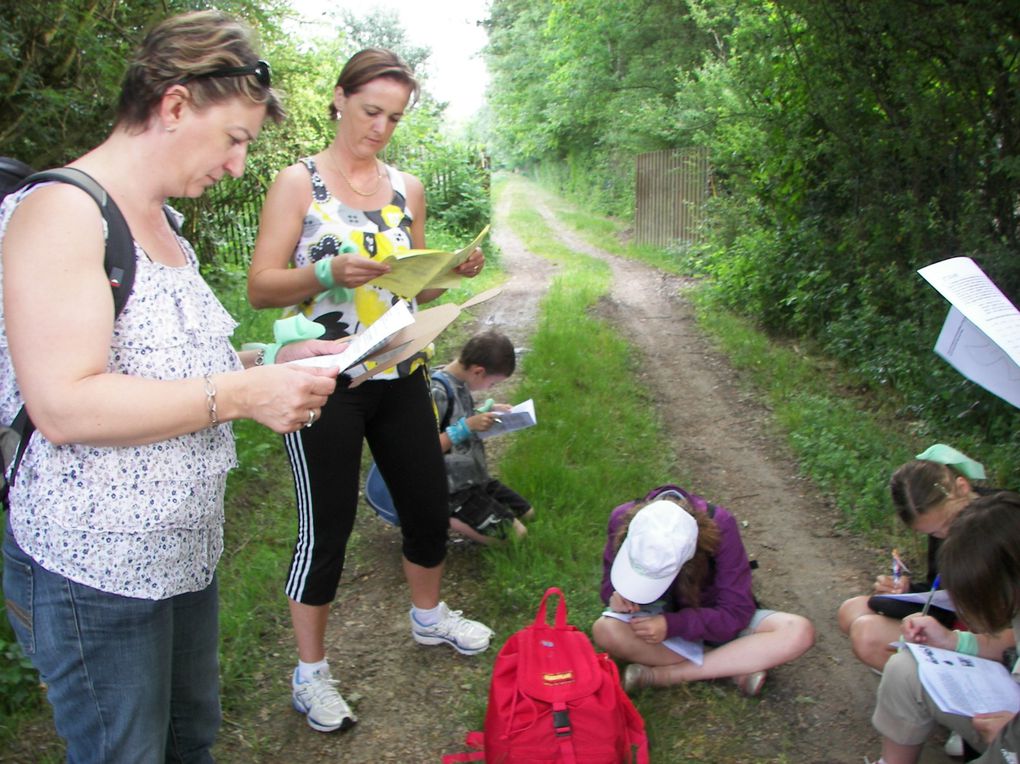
{"points": [[170, 129]]}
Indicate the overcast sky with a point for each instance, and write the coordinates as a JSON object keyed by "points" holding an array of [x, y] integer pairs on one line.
{"points": [[457, 73]]}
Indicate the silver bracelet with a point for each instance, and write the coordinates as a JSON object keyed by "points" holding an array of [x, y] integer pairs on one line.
{"points": [[210, 400]]}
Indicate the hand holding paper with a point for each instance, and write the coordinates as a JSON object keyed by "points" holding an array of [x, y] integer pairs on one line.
{"points": [[413, 270], [964, 684], [395, 337], [520, 416]]}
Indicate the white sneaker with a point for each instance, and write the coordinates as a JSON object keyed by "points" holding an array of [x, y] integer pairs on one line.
{"points": [[322, 704], [636, 676], [954, 746], [462, 634]]}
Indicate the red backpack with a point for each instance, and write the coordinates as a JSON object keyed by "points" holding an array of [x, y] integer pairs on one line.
{"points": [[554, 700]]}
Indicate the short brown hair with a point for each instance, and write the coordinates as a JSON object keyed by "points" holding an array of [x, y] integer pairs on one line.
{"points": [[183, 48], [492, 351], [371, 64], [979, 562]]}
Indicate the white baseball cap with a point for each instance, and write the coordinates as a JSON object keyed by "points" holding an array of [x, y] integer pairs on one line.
{"points": [[662, 537]]}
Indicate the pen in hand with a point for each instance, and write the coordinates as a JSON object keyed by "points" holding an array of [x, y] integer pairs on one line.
{"points": [[931, 595]]}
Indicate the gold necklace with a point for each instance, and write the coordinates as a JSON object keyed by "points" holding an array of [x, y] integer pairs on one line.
{"points": [[355, 189]]}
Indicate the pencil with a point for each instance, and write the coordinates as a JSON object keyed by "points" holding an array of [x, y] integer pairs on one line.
{"points": [[931, 595]]}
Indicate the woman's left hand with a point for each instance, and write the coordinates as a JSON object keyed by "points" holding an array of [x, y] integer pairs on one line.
{"points": [[989, 725], [473, 265], [308, 348], [651, 629]]}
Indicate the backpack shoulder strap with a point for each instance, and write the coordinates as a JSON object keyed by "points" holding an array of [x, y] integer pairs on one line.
{"points": [[23, 427], [119, 260], [440, 377]]}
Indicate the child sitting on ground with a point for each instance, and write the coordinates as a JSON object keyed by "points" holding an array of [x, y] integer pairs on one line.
{"points": [[481, 507], [676, 567]]}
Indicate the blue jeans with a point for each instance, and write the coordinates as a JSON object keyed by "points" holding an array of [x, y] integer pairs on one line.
{"points": [[130, 680]]}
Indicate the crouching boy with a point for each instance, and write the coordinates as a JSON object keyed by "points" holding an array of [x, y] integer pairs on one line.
{"points": [[481, 507]]}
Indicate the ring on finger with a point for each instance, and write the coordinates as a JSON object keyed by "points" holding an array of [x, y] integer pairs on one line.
{"points": [[311, 418]]}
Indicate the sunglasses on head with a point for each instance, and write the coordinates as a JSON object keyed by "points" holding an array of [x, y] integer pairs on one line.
{"points": [[260, 70]]}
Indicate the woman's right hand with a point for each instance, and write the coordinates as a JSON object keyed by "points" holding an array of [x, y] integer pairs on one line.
{"points": [[353, 270], [925, 630], [885, 585], [482, 422], [285, 397]]}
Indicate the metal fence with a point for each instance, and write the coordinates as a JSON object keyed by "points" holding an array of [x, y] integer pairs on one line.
{"points": [[671, 190], [222, 223]]}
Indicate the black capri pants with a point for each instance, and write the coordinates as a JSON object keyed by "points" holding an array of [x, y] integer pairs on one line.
{"points": [[398, 420]]}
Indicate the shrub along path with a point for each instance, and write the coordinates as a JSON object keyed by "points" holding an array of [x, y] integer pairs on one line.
{"points": [[413, 701]]}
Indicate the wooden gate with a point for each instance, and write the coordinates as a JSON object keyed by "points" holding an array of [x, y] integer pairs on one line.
{"points": [[670, 194]]}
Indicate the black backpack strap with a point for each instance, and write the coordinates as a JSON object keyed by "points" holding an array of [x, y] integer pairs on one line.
{"points": [[119, 260], [440, 377], [23, 426]]}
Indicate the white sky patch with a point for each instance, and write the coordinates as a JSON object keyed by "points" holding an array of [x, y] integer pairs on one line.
{"points": [[456, 70]]}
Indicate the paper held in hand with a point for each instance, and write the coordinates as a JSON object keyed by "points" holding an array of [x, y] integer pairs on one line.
{"points": [[413, 270], [692, 650], [364, 344], [981, 335], [965, 684], [520, 416], [394, 338]]}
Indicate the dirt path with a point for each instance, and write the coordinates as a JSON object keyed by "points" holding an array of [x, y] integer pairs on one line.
{"points": [[404, 694]]}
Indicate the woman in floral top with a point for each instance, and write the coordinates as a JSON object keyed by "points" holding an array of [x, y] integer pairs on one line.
{"points": [[116, 515]]}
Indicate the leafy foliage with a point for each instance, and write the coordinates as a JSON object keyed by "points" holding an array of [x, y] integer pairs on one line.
{"points": [[851, 143]]}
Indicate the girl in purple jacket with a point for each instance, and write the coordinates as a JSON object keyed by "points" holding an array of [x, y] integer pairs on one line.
{"points": [[677, 582]]}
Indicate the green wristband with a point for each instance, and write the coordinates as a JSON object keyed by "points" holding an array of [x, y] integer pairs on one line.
{"points": [[324, 272], [459, 432], [966, 642]]}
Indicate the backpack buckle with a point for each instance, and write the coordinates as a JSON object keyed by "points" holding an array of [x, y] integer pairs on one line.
{"points": [[561, 723]]}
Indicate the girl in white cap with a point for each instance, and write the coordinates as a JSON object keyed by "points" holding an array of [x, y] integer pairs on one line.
{"points": [[676, 569]]}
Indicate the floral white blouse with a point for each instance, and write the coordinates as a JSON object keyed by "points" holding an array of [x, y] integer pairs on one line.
{"points": [[139, 521]]}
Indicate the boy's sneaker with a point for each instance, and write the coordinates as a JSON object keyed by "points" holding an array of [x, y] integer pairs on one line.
{"points": [[462, 634], [954, 746], [322, 704]]}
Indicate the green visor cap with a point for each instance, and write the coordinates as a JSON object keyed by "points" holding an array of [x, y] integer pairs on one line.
{"points": [[943, 454]]}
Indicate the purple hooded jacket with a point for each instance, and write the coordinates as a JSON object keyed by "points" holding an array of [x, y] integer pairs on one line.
{"points": [[727, 603]]}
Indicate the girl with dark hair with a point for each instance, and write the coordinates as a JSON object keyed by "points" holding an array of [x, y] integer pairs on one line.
{"points": [[927, 494], [980, 564]]}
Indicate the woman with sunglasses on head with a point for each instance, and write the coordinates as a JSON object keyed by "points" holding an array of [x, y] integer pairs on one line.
{"points": [[980, 568], [116, 516], [326, 221]]}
